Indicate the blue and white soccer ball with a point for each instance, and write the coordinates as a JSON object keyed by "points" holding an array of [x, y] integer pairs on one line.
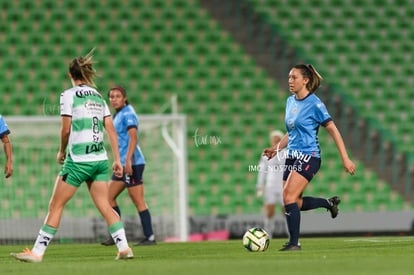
{"points": [[256, 240]]}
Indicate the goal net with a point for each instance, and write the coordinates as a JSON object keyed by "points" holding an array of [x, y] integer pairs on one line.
{"points": [[25, 196]]}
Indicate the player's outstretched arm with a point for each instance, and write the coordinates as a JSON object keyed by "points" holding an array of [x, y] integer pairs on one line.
{"points": [[333, 131], [272, 151]]}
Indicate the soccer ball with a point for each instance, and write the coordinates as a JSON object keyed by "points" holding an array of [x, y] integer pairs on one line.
{"points": [[256, 239]]}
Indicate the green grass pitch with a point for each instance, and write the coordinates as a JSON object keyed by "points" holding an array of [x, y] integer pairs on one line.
{"points": [[351, 255]]}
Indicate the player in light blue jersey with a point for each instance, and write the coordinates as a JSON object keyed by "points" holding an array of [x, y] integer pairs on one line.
{"points": [[4, 136], [126, 126], [305, 113]]}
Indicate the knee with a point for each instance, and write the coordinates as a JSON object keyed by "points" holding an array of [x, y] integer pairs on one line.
{"points": [[270, 213], [141, 205], [55, 205], [288, 197], [137, 197]]}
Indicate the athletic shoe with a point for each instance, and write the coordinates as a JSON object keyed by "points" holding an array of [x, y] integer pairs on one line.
{"points": [[27, 256], [334, 201], [288, 243], [108, 242], [291, 247], [125, 255], [146, 242]]}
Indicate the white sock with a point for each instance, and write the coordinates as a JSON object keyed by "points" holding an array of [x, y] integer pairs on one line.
{"points": [[118, 234], [43, 240], [269, 226]]}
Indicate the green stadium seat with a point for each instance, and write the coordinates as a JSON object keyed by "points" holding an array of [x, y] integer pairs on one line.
{"points": [[176, 47]]}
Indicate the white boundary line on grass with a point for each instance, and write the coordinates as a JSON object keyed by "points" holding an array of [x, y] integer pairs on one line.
{"points": [[368, 240]]}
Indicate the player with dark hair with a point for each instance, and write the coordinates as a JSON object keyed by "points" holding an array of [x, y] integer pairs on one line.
{"points": [[84, 115], [4, 136], [126, 126], [305, 112]]}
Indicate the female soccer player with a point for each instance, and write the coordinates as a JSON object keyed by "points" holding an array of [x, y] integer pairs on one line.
{"points": [[270, 182], [126, 126], [305, 112], [84, 115], [4, 136]]}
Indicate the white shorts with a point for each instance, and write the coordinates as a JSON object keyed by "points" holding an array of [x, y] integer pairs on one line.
{"points": [[273, 194]]}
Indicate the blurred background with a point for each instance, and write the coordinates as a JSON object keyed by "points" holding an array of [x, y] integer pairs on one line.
{"points": [[227, 62]]}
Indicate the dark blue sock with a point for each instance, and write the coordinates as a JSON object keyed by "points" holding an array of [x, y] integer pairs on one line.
{"points": [[292, 213], [117, 210], [145, 217], [310, 203]]}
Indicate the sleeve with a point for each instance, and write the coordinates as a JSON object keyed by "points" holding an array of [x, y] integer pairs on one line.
{"points": [[66, 104], [321, 114], [131, 120], [4, 129], [107, 112]]}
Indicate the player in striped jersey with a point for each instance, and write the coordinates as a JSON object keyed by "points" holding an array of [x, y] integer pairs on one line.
{"points": [[84, 115]]}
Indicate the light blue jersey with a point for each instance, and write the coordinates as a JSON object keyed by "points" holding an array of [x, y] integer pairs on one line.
{"points": [[4, 129], [125, 119], [303, 118]]}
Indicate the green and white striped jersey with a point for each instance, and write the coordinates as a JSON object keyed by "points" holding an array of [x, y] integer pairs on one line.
{"points": [[87, 108]]}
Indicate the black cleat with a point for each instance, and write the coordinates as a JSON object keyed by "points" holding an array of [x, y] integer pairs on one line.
{"points": [[108, 242], [334, 201], [288, 243], [146, 242], [290, 247]]}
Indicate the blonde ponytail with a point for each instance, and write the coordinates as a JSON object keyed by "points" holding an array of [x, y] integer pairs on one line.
{"points": [[81, 68]]}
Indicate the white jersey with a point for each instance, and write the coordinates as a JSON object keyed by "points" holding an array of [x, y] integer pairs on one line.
{"points": [[87, 108], [270, 178]]}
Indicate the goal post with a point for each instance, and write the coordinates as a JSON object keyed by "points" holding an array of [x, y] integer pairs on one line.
{"points": [[25, 196]]}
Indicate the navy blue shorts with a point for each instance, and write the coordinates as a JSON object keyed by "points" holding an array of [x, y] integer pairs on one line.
{"points": [[305, 165], [135, 179]]}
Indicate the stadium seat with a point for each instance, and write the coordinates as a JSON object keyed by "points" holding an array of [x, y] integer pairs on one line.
{"points": [[176, 47]]}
